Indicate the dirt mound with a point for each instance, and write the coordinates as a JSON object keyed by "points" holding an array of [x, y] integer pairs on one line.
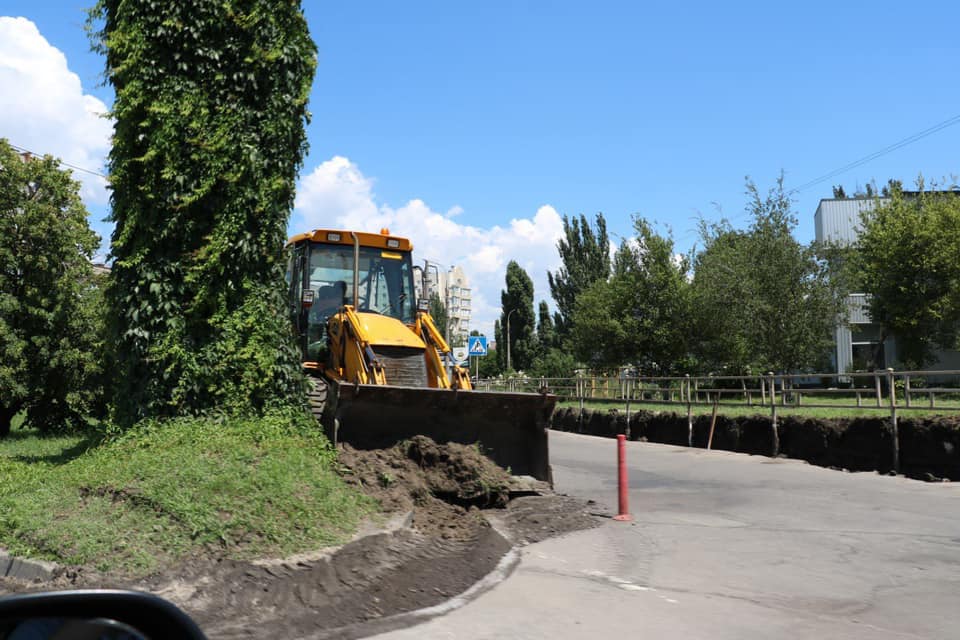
{"points": [[445, 485]]}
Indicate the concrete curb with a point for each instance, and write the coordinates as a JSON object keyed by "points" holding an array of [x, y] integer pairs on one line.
{"points": [[23, 569]]}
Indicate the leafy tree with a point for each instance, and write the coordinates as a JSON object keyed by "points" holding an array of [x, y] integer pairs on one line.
{"points": [[658, 300], [210, 113], [50, 319], [722, 283], [488, 365], [907, 258], [438, 311], [891, 187], [642, 314], [500, 352], [546, 333], [762, 299], [869, 190], [600, 331], [585, 254], [554, 363], [516, 302]]}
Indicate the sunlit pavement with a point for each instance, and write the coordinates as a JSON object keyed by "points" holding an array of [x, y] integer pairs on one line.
{"points": [[727, 545]]}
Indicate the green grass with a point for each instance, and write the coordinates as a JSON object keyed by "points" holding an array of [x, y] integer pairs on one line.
{"points": [[163, 491], [738, 408]]}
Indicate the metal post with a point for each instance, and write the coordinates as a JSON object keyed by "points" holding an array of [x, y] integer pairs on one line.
{"points": [[623, 485], [773, 415], [906, 389], [689, 414], [876, 384], [628, 383], [580, 391], [893, 421]]}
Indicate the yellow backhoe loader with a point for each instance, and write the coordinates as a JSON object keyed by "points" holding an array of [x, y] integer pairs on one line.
{"points": [[381, 372]]}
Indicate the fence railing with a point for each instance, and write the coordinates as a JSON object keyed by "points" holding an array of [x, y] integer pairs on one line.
{"points": [[885, 390]]}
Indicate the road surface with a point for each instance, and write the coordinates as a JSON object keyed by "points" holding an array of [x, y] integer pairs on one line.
{"points": [[727, 545]]}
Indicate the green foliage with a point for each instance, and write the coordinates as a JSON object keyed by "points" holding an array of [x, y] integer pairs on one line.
{"points": [[161, 491], [438, 311], [489, 365], [641, 315], [546, 332], [554, 363], [516, 301], [600, 331], [908, 260], [762, 300], [585, 254], [499, 352], [210, 113], [50, 322]]}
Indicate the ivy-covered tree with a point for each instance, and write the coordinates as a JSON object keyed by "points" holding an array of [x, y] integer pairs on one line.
{"points": [[210, 110], [50, 333], [516, 303], [585, 254]]}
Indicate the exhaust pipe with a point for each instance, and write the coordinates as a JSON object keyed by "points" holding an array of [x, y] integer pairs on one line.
{"points": [[356, 270]]}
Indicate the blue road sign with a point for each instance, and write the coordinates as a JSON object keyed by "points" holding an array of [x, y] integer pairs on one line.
{"points": [[477, 345]]}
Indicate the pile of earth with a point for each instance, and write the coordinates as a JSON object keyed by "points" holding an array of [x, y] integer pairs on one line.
{"points": [[445, 486], [448, 494]]}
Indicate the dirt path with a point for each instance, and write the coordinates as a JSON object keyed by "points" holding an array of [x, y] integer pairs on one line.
{"points": [[452, 495]]}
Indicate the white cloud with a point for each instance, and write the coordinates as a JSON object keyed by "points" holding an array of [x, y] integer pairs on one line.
{"points": [[43, 107], [336, 194]]}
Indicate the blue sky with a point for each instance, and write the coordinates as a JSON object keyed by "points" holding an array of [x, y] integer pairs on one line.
{"points": [[470, 126]]}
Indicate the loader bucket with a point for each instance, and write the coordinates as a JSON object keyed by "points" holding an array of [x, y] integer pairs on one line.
{"points": [[510, 428]]}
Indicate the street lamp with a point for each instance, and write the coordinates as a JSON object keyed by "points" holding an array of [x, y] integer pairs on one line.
{"points": [[508, 337]]}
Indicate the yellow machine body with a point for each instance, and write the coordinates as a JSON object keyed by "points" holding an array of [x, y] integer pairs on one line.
{"points": [[381, 370]]}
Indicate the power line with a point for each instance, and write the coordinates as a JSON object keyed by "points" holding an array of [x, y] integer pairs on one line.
{"points": [[66, 164], [882, 152]]}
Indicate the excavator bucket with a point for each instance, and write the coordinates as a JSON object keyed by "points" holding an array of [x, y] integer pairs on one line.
{"points": [[510, 428]]}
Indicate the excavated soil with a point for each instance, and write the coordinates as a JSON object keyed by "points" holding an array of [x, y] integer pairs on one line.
{"points": [[448, 494]]}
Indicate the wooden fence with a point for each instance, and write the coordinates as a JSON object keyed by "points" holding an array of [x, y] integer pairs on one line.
{"points": [[887, 390]]}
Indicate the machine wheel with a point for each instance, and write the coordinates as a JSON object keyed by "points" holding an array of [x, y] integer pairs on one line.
{"points": [[317, 396], [323, 406]]}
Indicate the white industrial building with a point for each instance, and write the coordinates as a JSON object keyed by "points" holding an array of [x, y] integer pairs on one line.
{"points": [[453, 287], [838, 220]]}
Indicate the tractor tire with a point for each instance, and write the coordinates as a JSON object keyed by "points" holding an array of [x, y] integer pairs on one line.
{"points": [[317, 397]]}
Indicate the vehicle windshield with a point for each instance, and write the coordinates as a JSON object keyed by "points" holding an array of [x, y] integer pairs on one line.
{"points": [[386, 279]]}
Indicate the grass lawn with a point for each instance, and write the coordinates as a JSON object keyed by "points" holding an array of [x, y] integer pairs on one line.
{"points": [[163, 491]]}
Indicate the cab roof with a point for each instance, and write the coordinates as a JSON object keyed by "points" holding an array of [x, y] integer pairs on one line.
{"points": [[382, 240]]}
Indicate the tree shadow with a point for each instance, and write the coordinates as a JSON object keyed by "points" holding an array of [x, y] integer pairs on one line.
{"points": [[60, 457]]}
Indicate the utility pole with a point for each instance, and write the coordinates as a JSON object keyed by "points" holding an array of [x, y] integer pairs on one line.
{"points": [[508, 337]]}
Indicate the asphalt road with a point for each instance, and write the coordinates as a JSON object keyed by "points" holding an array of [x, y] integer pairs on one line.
{"points": [[729, 546]]}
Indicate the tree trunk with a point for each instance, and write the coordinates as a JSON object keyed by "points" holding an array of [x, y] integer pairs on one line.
{"points": [[6, 418]]}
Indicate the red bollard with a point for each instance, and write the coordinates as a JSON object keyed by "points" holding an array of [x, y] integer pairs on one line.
{"points": [[624, 515]]}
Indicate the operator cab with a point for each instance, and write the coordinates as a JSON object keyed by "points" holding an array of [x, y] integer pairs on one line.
{"points": [[321, 276]]}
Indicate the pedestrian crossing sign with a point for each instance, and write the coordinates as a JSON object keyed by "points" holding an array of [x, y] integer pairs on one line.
{"points": [[477, 345]]}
